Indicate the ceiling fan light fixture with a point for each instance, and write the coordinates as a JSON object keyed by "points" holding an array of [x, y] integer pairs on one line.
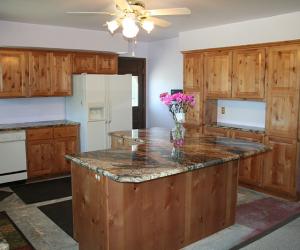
{"points": [[148, 25], [130, 28], [131, 32], [112, 26]]}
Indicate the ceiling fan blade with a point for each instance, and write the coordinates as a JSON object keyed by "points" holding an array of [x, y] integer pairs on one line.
{"points": [[159, 22], [123, 5], [169, 12], [90, 13]]}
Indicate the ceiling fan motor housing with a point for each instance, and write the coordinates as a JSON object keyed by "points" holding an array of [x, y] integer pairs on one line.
{"points": [[136, 4]]}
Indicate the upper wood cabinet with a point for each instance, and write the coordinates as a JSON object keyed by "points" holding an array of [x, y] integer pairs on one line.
{"points": [[107, 64], [193, 71], [39, 73], [218, 74], [61, 74], [248, 73], [95, 63], [283, 91], [194, 115], [85, 63], [13, 73]]}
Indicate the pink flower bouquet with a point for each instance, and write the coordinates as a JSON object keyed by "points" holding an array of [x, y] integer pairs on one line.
{"points": [[178, 103]]}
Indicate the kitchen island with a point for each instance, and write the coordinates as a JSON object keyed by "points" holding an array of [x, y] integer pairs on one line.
{"points": [[145, 194]]}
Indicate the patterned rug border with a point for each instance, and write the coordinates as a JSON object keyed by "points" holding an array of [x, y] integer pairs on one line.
{"points": [[17, 229], [265, 233]]}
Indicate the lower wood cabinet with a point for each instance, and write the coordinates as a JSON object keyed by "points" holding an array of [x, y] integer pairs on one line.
{"points": [[251, 168], [280, 166], [46, 150], [61, 147], [39, 158]]}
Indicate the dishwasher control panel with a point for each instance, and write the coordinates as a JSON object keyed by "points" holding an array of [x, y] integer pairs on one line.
{"points": [[8, 136]]}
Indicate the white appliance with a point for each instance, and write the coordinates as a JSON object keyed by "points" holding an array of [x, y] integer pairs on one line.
{"points": [[102, 104], [13, 156]]}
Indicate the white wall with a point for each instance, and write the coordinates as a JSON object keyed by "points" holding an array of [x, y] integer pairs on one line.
{"points": [[16, 34], [164, 73], [242, 113], [31, 109], [271, 29]]}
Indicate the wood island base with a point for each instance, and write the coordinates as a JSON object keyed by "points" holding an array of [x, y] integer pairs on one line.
{"points": [[165, 213]]}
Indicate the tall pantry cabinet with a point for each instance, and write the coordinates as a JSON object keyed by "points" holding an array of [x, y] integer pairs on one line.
{"points": [[281, 168]]}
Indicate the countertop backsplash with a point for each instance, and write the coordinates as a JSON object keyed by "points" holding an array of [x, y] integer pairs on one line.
{"points": [[21, 110], [244, 113]]}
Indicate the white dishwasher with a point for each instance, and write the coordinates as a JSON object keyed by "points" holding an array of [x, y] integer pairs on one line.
{"points": [[12, 156]]}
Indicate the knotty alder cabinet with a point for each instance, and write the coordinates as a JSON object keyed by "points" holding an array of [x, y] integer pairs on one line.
{"points": [[95, 63], [237, 74], [193, 85], [32, 73], [14, 73], [46, 148], [269, 72]]}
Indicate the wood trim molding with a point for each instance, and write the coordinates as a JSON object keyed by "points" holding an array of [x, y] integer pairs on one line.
{"points": [[247, 46]]}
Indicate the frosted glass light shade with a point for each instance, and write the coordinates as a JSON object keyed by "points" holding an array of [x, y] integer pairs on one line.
{"points": [[112, 26], [148, 26]]}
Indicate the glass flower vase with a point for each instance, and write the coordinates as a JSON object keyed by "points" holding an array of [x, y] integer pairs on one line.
{"points": [[177, 134]]}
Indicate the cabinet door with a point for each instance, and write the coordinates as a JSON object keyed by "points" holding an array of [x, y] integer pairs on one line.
{"points": [[39, 158], [218, 74], [39, 74], [61, 74], [107, 64], [13, 73], [280, 165], [250, 168], [62, 147], [248, 74], [84, 63], [283, 90], [194, 115], [193, 71]]}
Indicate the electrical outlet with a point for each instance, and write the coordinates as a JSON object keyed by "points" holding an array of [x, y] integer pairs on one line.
{"points": [[223, 110]]}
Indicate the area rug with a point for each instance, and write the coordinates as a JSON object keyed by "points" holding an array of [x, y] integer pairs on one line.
{"points": [[12, 234], [4, 194], [44, 190], [264, 216], [61, 214]]}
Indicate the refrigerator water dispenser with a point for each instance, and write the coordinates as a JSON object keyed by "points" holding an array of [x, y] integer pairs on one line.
{"points": [[96, 113]]}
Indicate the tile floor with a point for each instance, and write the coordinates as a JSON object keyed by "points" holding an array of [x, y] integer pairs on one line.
{"points": [[44, 234]]}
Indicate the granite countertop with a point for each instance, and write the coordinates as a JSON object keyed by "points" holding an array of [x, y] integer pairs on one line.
{"points": [[153, 156], [26, 125], [252, 129]]}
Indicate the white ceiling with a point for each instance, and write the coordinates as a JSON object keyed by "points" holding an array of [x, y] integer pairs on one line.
{"points": [[204, 13]]}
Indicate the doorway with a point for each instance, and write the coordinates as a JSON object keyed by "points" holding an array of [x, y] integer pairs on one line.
{"points": [[136, 67]]}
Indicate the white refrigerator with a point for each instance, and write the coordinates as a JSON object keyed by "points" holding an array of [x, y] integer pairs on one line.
{"points": [[102, 104]]}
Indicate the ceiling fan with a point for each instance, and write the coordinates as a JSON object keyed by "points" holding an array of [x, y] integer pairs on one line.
{"points": [[132, 14]]}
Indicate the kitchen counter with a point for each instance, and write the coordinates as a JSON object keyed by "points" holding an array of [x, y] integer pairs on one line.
{"points": [[252, 129], [27, 125], [153, 156]]}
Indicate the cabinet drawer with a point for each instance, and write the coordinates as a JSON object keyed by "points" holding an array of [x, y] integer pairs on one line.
{"points": [[248, 136], [39, 134], [214, 131], [66, 131]]}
